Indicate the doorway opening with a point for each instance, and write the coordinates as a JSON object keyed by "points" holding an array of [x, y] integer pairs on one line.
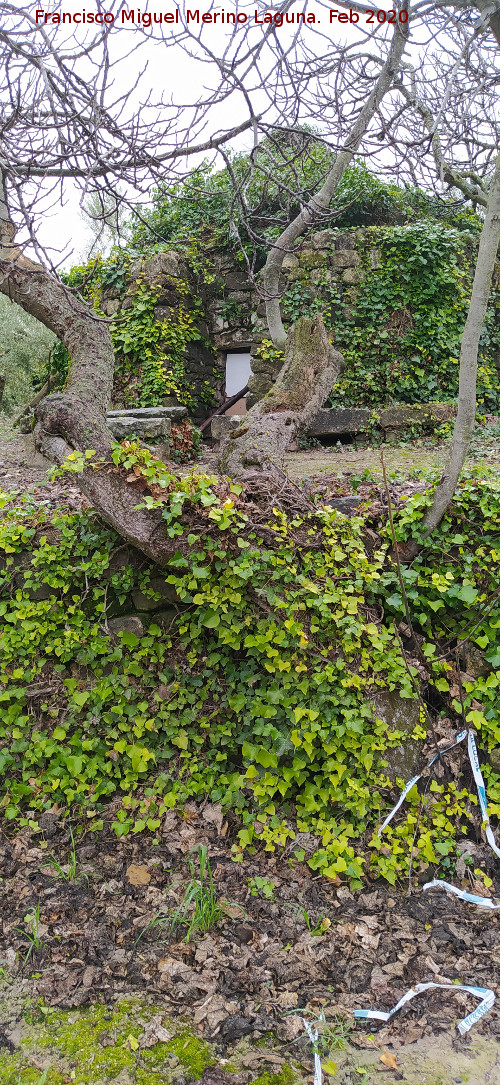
{"points": [[238, 370]]}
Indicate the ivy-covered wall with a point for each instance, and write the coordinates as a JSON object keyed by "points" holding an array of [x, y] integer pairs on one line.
{"points": [[394, 297], [173, 318]]}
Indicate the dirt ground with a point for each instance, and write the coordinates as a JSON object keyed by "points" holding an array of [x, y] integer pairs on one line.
{"points": [[99, 985], [287, 945]]}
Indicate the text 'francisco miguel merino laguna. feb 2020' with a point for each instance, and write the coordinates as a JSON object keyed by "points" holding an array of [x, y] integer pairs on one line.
{"points": [[134, 17]]}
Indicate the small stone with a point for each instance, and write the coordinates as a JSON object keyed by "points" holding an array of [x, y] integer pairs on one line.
{"points": [[345, 258], [138, 874], [353, 275], [243, 933], [127, 623], [234, 1027]]}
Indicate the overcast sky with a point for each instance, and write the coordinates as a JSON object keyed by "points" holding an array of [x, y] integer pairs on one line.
{"points": [[170, 73]]}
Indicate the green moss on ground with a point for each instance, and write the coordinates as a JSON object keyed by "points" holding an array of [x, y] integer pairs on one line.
{"points": [[286, 1076], [75, 1037]]}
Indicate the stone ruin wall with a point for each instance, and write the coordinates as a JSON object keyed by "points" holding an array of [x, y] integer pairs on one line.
{"points": [[233, 312]]}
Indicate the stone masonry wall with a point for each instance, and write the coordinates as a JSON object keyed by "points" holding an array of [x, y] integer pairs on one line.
{"points": [[231, 312]]}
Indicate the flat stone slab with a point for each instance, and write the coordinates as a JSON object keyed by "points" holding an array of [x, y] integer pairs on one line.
{"points": [[174, 413], [341, 421], [144, 421], [345, 421]]}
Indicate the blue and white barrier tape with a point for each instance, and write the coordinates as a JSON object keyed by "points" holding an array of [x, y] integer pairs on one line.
{"points": [[411, 783], [486, 996], [482, 902], [313, 1036], [481, 792]]}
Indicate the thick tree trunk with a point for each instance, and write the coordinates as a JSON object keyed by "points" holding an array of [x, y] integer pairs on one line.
{"points": [[466, 414], [75, 418], [309, 372], [320, 202]]}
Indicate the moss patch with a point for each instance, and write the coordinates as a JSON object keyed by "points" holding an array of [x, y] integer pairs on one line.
{"points": [[96, 1045], [286, 1076]]}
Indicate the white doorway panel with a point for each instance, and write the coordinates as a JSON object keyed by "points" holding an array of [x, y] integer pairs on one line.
{"points": [[238, 371]]}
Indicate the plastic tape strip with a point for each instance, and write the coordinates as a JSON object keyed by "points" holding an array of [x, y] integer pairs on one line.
{"points": [[481, 793], [486, 996], [482, 902], [313, 1036], [415, 780]]}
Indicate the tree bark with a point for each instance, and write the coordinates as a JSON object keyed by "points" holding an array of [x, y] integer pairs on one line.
{"points": [[308, 374], [320, 203], [466, 414], [75, 418]]}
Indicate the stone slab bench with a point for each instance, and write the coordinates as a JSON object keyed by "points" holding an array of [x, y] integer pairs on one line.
{"points": [[348, 421], [343, 421], [144, 422]]}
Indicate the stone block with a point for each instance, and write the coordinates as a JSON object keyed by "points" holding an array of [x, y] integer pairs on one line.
{"points": [[339, 421], [237, 280], [37, 595], [146, 429], [323, 239], [400, 714], [165, 312], [324, 275], [127, 623], [346, 240], [111, 306], [353, 275], [475, 663], [174, 412], [374, 259], [222, 424], [160, 587], [165, 618], [297, 274], [144, 422], [402, 416], [290, 261], [160, 265], [310, 259], [345, 258], [258, 386]]}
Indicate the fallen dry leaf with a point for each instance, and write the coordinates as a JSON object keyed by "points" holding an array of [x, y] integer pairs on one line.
{"points": [[234, 911], [389, 1059], [138, 875]]}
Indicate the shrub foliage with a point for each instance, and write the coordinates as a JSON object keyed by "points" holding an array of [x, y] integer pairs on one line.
{"points": [[260, 694]]}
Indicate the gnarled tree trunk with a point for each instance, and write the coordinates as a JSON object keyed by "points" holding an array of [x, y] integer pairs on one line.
{"points": [[310, 370], [76, 418]]}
